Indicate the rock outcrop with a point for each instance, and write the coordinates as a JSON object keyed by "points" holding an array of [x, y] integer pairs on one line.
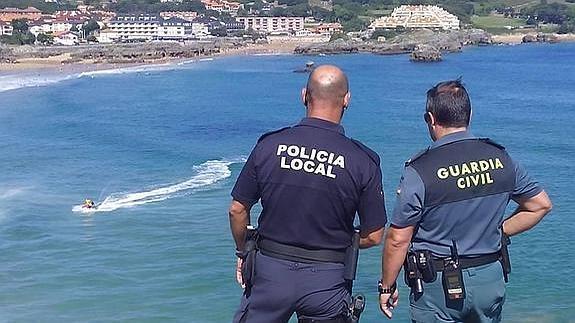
{"points": [[444, 41], [540, 38], [425, 53]]}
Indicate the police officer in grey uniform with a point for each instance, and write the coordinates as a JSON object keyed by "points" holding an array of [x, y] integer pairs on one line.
{"points": [[311, 180], [448, 220]]}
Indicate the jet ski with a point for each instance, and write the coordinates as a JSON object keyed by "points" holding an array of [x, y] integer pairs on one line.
{"points": [[309, 67], [89, 204]]}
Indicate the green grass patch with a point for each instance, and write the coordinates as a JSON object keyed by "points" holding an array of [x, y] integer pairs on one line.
{"points": [[496, 23]]}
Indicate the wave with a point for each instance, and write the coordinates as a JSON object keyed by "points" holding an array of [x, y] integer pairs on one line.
{"points": [[129, 70], [13, 82], [207, 174], [17, 81]]}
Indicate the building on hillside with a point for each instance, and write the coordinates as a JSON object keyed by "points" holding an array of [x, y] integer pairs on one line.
{"points": [[5, 28], [329, 28], [30, 13], [134, 27], [67, 38], [230, 7], [186, 15], [174, 29], [272, 24], [417, 16]]}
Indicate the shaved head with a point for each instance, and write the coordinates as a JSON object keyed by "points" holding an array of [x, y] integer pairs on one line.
{"points": [[329, 84], [326, 95]]}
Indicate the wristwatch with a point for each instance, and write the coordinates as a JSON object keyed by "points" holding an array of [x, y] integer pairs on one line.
{"points": [[389, 290]]}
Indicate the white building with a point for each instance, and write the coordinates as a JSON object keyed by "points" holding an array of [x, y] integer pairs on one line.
{"points": [[66, 38], [200, 30], [53, 27], [134, 27], [186, 15], [420, 16], [272, 24], [175, 29], [5, 28]]}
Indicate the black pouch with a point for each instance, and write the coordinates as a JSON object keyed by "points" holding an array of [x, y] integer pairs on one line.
{"points": [[453, 281], [504, 257], [249, 257], [425, 265]]}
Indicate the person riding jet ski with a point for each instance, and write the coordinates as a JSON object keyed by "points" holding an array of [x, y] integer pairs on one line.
{"points": [[89, 204]]}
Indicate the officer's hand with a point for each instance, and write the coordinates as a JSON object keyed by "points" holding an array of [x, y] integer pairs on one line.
{"points": [[239, 278], [387, 302]]}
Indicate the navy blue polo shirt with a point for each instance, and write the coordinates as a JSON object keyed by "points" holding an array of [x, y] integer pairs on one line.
{"points": [[312, 180], [474, 223]]}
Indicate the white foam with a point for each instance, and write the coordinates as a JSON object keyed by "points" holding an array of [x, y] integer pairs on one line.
{"points": [[13, 82], [18, 81], [207, 174], [129, 70]]}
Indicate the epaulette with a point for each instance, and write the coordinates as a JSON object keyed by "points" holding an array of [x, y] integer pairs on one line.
{"points": [[416, 156], [271, 133], [491, 142], [370, 153]]}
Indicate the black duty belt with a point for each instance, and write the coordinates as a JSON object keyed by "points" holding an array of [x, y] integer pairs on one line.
{"points": [[464, 263], [292, 253]]}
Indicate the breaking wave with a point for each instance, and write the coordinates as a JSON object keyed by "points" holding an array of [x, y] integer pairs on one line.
{"points": [[207, 174]]}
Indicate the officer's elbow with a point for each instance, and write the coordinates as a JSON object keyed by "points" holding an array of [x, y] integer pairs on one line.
{"points": [[371, 240], [237, 210], [398, 238]]}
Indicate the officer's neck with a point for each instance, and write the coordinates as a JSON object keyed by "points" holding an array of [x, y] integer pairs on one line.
{"points": [[440, 132], [331, 115]]}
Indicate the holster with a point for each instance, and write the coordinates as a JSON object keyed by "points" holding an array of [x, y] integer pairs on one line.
{"points": [[351, 257], [248, 255], [504, 256]]}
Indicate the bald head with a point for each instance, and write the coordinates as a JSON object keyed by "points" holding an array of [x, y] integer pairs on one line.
{"points": [[327, 90]]}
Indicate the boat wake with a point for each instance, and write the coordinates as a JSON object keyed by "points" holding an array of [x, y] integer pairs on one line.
{"points": [[207, 174]]}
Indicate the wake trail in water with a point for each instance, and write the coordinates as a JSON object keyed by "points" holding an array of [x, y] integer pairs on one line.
{"points": [[207, 173]]}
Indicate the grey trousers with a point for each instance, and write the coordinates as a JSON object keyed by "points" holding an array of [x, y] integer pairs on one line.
{"points": [[485, 295]]}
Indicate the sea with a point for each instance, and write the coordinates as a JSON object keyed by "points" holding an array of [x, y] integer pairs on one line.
{"points": [[159, 147]]}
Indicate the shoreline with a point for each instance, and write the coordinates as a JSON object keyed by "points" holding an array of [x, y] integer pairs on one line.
{"points": [[58, 64], [64, 64]]}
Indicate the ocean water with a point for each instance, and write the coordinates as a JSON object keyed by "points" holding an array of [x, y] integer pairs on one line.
{"points": [[160, 148]]}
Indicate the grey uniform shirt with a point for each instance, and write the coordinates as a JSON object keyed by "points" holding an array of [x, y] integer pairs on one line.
{"points": [[474, 223]]}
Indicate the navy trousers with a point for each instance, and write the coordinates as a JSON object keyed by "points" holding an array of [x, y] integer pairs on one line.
{"points": [[485, 295], [281, 287]]}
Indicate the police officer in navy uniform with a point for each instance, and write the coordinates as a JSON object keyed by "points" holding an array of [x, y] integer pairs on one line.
{"points": [[311, 180], [450, 207]]}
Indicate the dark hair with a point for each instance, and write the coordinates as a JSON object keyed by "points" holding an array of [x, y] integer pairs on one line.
{"points": [[449, 103]]}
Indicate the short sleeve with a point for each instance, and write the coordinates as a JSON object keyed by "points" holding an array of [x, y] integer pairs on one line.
{"points": [[410, 198], [525, 186], [246, 190], [371, 210]]}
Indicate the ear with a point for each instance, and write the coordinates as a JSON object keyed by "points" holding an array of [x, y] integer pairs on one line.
{"points": [[431, 119], [303, 96], [346, 100]]}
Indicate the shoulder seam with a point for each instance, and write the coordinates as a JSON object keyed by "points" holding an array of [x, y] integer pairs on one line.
{"points": [[262, 137]]}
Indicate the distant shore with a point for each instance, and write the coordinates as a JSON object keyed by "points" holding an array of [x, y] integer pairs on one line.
{"points": [[79, 59], [64, 62]]}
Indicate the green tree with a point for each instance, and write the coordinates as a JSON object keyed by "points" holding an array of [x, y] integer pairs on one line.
{"points": [[20, 34], [89, 27], [45, 39]]}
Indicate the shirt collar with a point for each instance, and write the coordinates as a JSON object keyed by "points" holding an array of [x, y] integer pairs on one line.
{"points": [[452, 137], [323, 124]]}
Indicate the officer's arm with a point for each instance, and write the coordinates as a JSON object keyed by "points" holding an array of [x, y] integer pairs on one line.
{"points": [[396, 245], [239, 219], [370, 239], [529, 212], [406, 215]]}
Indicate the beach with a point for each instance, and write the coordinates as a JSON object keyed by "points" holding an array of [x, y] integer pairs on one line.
{"points": [[63, 62]]}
